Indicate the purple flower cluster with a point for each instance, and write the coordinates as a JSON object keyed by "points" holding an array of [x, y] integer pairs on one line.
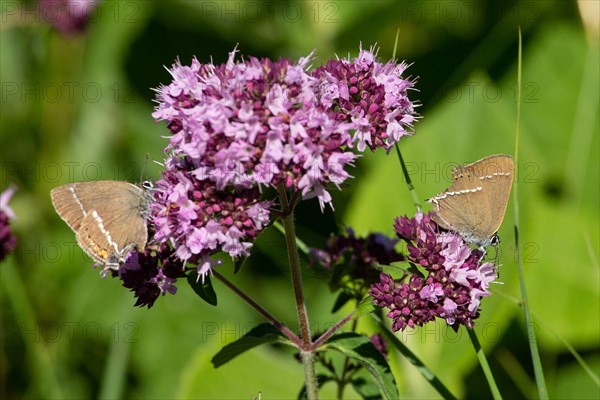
{"points": [[455, 283], [141, 273], [380, 344], [359, 254], [371, 96], [243, 126], [7, 239], [201, 219]]}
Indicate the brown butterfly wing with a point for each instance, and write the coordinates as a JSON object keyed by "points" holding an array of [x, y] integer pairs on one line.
{"points": [[457, 208], [125, 220], [104, 215], [496, 174], [66, 202], [94, 239], [474, 205]]}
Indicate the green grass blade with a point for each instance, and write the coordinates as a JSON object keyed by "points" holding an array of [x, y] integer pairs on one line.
{"points": [[484, 365], [535, 355], [115, 370], [44, 377], [549, 328]]}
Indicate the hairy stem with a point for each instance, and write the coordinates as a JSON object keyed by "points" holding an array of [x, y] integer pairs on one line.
{"points": [[294, 260], [329, 333], [308, 360], [306, 351]]}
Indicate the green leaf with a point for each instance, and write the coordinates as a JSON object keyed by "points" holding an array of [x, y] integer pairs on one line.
{"points": [[368, 390], [414, 360], [413, 269], [361, 349], [365, 307], [239, 263], [202, 289], [261, 334], [342, 299], [321, 380]]}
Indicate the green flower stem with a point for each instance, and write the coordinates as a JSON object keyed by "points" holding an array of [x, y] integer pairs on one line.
{"points": [[484, 365], [308, 358], [294, 260], [411, 188], [310, 376], [272, 320]]}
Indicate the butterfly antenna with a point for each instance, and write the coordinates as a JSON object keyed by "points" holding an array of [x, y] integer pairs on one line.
{"points": [[496, 244], [144, 167]]}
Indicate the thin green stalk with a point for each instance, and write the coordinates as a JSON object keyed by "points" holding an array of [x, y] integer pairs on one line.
{"points": [[535, 355], [550, 328], [484, 365], [308, 359], [411, 188], [39, 357], [588, 370], [299, 243], [115, 369], [396, 44], [409, 185], [515, 370]]}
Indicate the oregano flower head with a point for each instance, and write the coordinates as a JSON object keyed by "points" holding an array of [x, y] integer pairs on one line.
{"points": [[244, 127], [455, 281]]}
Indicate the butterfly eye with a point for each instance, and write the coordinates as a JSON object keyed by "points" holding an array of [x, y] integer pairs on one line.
{"points": [[495, 240]]}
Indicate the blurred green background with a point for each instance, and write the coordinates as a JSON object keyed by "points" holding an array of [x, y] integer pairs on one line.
{"points": [[78, 107]]}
